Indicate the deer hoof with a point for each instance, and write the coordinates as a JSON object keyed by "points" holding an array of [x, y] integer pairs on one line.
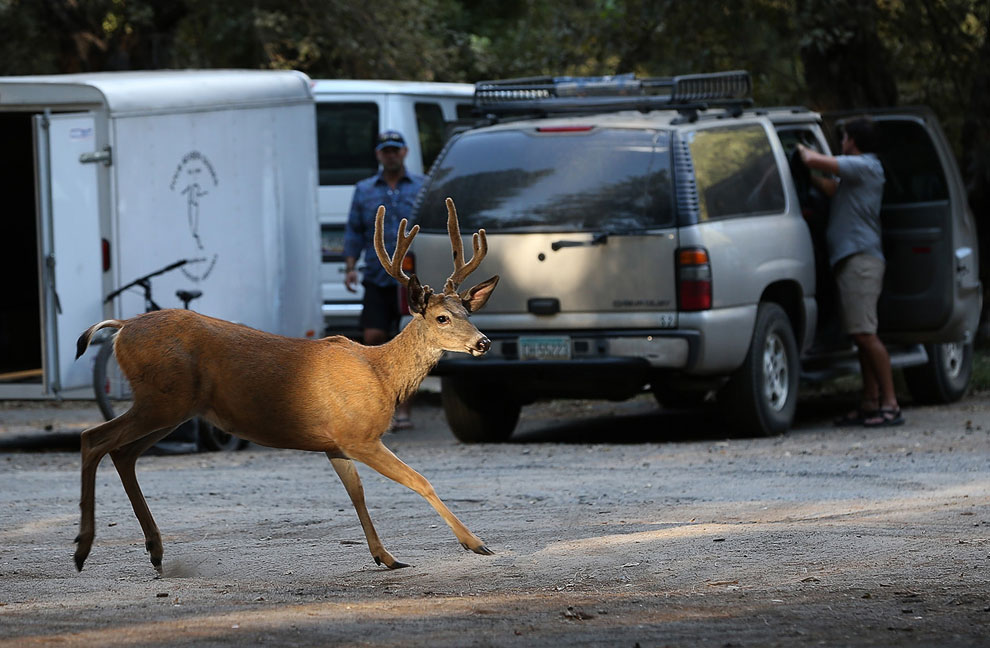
{"points": [[394, 564], [480, 549]]}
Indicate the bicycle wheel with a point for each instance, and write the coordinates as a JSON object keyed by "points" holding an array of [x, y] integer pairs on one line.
{"points": [[110, 386]]}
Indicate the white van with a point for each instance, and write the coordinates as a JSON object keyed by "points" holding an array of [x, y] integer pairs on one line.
{"points": [[109, 176], [349, 116]]}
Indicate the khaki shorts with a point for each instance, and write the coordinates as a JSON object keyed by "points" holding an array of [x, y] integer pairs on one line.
{"points": [[859, 278]]}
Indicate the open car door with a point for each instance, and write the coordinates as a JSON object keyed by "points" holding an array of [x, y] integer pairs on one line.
{"points": [[931, 287]]}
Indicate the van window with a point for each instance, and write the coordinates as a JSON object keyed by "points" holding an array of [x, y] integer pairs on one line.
{"points": [[910, 163], [601, 179], [345, 139], [431, 125], [735, 171]]}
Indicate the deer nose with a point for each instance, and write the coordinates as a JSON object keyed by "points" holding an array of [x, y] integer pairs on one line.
{"points": [[484, 344]]}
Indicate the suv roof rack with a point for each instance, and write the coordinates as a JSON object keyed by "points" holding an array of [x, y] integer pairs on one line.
{"points": [[546, 95]]}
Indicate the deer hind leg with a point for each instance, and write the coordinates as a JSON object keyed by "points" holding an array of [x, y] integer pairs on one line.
{"points": [[381, 459], [123, 460], [96, 443], [352, 482]]}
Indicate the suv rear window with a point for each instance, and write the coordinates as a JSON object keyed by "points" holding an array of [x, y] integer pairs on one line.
{"points": [[601, 179]]}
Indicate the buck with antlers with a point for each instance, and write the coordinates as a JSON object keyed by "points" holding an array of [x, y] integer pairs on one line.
{"points": [[331, 395]]}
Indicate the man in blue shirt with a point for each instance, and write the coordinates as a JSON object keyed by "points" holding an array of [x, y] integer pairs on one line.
{"points": [[856, 256], [396, 189]]}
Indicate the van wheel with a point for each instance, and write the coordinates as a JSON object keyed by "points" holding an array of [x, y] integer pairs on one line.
{"points": [[945, 377], [761, 396], [477, 412]]}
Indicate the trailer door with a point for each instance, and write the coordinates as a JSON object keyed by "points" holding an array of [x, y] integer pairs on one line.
{"points": [[68, 223]]}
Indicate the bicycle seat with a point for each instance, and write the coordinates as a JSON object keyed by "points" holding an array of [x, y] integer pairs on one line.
{"points": [[188, 295]]}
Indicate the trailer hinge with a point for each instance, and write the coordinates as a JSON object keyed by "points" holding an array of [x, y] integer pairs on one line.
{"points": [[103, 156]]}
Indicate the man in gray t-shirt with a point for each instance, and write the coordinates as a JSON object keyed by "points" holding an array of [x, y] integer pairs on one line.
{"points": [[855, 253]]}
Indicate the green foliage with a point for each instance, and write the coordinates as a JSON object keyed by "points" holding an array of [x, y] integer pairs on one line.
{"points": [[824, 53]]}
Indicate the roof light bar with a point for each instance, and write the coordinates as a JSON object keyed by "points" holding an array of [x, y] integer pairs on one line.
{"points": [[618, 92]]}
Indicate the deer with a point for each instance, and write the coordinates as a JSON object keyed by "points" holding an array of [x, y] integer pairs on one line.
{"points": [[331, 395]]}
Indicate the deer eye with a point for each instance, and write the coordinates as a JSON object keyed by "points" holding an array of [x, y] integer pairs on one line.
{"points": [[442, 319]]}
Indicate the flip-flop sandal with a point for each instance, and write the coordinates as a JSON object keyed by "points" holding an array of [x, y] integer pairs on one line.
{"points": [[856, 417], [402, 423], [885, 417]]}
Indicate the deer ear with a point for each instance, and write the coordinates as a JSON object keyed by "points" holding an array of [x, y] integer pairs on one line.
{"points": [[418, 295], [476, 297]]}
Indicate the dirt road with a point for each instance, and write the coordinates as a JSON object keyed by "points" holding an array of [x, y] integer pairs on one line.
{"points": [[612, 524]]}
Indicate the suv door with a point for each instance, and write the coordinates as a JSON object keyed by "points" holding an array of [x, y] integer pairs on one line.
{"points": [[931, 287]]}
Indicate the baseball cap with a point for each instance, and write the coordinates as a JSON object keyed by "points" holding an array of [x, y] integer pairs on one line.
{"points": [[390, 138]]}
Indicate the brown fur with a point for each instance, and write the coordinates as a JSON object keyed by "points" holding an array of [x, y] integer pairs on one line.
{"points": [[331, 395]]}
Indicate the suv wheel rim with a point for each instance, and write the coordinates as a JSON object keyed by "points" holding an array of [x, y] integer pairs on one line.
{"points": [[952, 359], [775, 372]]}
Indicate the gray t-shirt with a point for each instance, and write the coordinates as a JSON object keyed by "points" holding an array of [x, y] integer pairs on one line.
{"points": [[854, 218]]}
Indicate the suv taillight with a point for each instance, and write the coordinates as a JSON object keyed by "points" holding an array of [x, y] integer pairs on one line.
{"points": [[409, 267], [694, 279]]}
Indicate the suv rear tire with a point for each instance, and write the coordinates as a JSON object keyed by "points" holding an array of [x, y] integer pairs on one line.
{"points": [[945, 378], [476, 411], [761, 396]]}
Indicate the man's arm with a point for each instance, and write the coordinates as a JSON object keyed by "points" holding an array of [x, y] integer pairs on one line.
{"points": [[820, 162]]}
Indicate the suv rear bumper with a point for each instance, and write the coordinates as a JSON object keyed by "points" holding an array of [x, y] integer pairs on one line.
{"points": [[591, 351]]}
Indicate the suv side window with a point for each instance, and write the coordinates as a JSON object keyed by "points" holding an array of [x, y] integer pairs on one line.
{"points": [[735, 172], [911, 165], [345, 140], [431, 125]]}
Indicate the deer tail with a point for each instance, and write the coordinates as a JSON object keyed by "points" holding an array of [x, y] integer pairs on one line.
{"points": [[83, 340]]}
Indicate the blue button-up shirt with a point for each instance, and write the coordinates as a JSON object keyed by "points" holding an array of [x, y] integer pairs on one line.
{"points": [[360, 234]]}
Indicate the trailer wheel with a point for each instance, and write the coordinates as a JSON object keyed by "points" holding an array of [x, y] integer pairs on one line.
{"points": [[110, 386]]}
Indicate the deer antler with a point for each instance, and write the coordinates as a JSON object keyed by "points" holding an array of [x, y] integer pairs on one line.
{"points": [[461, 269], [393, 265]]}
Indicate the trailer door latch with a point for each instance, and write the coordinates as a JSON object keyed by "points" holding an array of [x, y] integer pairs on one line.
{"points": [[103, 156]]}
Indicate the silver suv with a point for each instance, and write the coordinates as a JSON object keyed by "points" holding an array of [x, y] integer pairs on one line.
{"points": [[662, 233]]}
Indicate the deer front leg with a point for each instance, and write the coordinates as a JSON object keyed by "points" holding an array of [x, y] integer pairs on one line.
{"points": [[352, 482], [380, 458], [123, 460]]}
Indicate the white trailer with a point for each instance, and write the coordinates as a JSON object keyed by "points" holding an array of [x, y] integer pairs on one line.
{"points": [[109, 176]]}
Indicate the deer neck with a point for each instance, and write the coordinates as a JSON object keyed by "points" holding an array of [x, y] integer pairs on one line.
{"points": [[406, 359]]}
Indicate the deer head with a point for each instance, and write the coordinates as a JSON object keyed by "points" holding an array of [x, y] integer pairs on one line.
{"points": [[445, 315]]}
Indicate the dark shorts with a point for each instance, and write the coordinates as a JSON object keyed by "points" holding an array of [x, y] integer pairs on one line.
{"points": [[380, 308]]}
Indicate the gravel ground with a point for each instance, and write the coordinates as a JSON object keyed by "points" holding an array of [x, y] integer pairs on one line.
{"points": [[612, 524]]}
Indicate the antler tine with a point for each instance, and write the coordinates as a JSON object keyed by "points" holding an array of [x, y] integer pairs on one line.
{"points": [[479, 243], [393, 265]]}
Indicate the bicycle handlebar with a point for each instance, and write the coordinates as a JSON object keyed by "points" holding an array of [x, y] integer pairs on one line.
{"points": [[142, 281]]}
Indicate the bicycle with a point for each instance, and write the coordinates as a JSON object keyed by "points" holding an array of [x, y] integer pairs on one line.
{"points": [[112, 389]]}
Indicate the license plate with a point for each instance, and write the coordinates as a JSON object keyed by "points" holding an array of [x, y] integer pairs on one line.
{"points": [[545, 348]]}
